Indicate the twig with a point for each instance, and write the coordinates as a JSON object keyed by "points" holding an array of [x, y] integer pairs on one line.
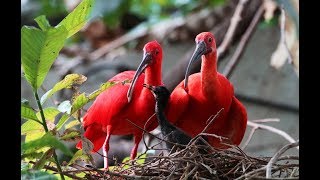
{"points": [[277, 155], [249, 137], [243, 43], [266, 120], [272, 129], [235, 19]]}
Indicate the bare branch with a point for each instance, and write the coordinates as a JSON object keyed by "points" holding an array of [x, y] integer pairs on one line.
{"points": [[236, 18], [243, 43], [266, 120], [272, 129], [277, 155]]}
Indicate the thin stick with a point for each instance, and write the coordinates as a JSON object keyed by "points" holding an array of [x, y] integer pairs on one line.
{"points": [[266, 120], [235, 19], [272, 129], [277, 155], [243, 43], [249, 137]]}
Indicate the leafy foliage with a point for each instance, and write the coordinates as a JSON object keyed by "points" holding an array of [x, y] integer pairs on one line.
{"points": [[67, 82], [76, 20], [39, 50], [48, 140]]}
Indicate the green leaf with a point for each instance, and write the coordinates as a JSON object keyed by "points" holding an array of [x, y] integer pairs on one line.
{"points": [[33, 136], [30, 127], [83, 99], [72, 123], [78, 155], [37, 175], [39, 49], [47, 140], [142, 158], [62, 120], [28, 113], [43, 22], [67, 82], [49, 113], [77, 18], [71, 135], [79, 102]]}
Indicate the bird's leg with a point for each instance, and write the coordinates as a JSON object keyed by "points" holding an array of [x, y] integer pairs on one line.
{"points": [[137, 139], [106, 148]]}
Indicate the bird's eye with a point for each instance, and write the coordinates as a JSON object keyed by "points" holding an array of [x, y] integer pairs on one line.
{"points": [[157, 52], [210, 40]]}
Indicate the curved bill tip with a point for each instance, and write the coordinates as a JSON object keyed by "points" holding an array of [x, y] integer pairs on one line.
{"points": [[198, 52]]}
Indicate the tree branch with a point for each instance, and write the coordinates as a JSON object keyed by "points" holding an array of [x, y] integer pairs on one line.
{"points": [[243, 43], [277, 155]]}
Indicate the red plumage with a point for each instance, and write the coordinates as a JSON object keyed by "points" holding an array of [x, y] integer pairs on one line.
{"points": [[190, 107], [109, 112]]}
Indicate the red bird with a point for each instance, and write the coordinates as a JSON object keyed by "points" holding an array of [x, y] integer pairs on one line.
{"points": [[109, 112], [203, 94]]}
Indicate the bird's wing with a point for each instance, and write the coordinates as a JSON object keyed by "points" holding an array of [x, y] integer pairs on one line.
{"points": [[237, 116], [110, 102], [178, 102]]}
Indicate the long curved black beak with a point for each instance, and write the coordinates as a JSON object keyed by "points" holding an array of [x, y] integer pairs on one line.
{"points": [[144, 63], [198, 52]]}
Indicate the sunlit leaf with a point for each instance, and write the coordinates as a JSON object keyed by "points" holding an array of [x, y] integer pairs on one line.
{"points": [[72, 123], [47, 140], [62, 120], [142, 158], [71, 135], [43, 22], [49, 113], [33, 136], [28, 113], [67, 82], [31, 126], [77, 18], [39, 49], [78, 155]]}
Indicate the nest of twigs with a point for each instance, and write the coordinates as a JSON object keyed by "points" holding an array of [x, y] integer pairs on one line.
{"points": [[200, 162]]}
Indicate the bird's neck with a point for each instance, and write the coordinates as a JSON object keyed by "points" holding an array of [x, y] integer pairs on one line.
{"points": [[209, 74], [162, 120], [153, 76]]}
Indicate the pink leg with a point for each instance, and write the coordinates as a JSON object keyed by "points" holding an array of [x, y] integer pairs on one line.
{"points": [[106, 148], [137, 139]]}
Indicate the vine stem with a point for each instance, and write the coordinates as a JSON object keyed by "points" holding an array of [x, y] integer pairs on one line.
{"points": [[44, 123]]}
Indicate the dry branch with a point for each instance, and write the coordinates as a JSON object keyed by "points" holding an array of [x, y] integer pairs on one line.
{"points": [[273, 130], [243, 43], [277, 155]]}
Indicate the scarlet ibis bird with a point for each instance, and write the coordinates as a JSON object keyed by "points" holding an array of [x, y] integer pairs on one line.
{"points": [[205, 93], [111, 110], [173, 134]]}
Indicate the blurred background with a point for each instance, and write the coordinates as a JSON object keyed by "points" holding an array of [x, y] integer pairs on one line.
{"points": [[264, 78]]}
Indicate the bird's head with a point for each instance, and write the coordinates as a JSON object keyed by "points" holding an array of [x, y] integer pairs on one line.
{"points": [[160, 93], [206, 44], [152, 56]]}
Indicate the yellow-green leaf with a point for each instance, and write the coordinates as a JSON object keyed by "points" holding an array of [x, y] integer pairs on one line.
{"points": [[78, 17], [68, 81]]}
